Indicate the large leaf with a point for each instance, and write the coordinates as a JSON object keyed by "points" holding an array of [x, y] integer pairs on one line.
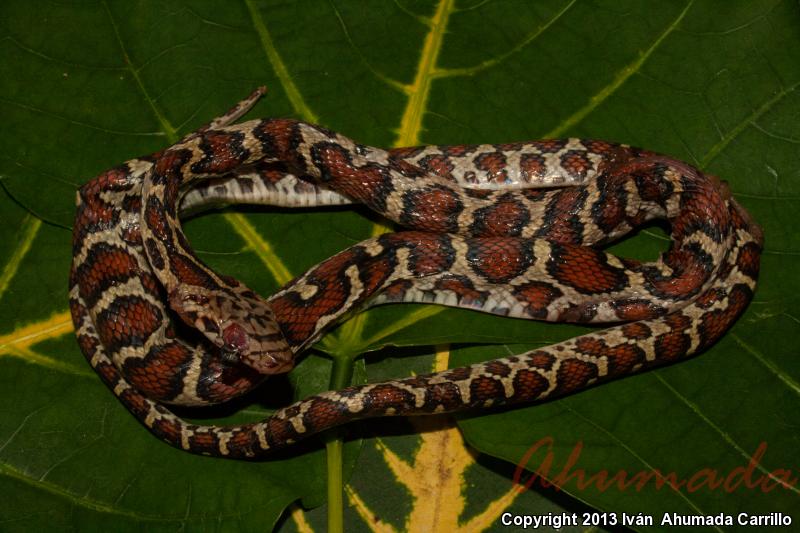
{"points": [[84, 86]]}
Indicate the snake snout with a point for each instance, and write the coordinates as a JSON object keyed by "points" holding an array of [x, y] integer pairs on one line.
{"points": [[263, 356], [270, 361]]}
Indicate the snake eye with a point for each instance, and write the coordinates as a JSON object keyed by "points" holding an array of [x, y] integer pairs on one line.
{"points": [[235, 341]]}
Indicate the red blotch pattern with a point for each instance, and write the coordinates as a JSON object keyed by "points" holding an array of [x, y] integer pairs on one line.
{"points": [[432, 209], [499, 260], [576, 163], [585, 270], [537, 295], [675, 343], [637, 310], [298, 318], [636, 330], [462, 288], [437, 164], [494, 164], [532, 167], [574, 375], [128, 319], [505, 218], [105, 264]]}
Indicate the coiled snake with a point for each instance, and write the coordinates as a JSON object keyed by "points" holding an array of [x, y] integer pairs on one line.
{"points": [[510, 229]]}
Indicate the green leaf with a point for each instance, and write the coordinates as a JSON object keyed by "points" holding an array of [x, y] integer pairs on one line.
{"points": [[85, 86]]}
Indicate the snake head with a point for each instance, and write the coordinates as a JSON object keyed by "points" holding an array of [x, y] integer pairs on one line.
{"points": [[242, 326]]}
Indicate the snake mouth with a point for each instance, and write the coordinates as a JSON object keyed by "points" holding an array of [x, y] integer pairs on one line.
{"points": [[239, 346], [235, 339]]}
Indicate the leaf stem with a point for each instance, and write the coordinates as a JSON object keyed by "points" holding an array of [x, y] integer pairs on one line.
{"points": [[341, 375]]}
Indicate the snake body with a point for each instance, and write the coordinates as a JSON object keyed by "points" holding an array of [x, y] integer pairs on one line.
{"points": [[483, 235]]}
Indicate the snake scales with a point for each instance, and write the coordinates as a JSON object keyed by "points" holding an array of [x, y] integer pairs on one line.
{"points": [[510, 229]]}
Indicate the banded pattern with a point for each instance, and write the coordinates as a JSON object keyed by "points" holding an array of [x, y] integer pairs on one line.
{"points": [[484, 235]]}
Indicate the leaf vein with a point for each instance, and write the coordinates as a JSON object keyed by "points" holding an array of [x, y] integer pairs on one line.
{"points": [[726, 437], [80, 501], [636, 455], [620, 78], [80, 123], [411, 121], [30, 227], [748, 120], [394, 84], [21, 338], [278, 66], [166, 127], [772, 367], [470, 71], [260, 246]]}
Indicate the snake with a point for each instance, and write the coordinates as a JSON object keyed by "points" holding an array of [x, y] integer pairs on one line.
{"points": [[515, 229]]}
